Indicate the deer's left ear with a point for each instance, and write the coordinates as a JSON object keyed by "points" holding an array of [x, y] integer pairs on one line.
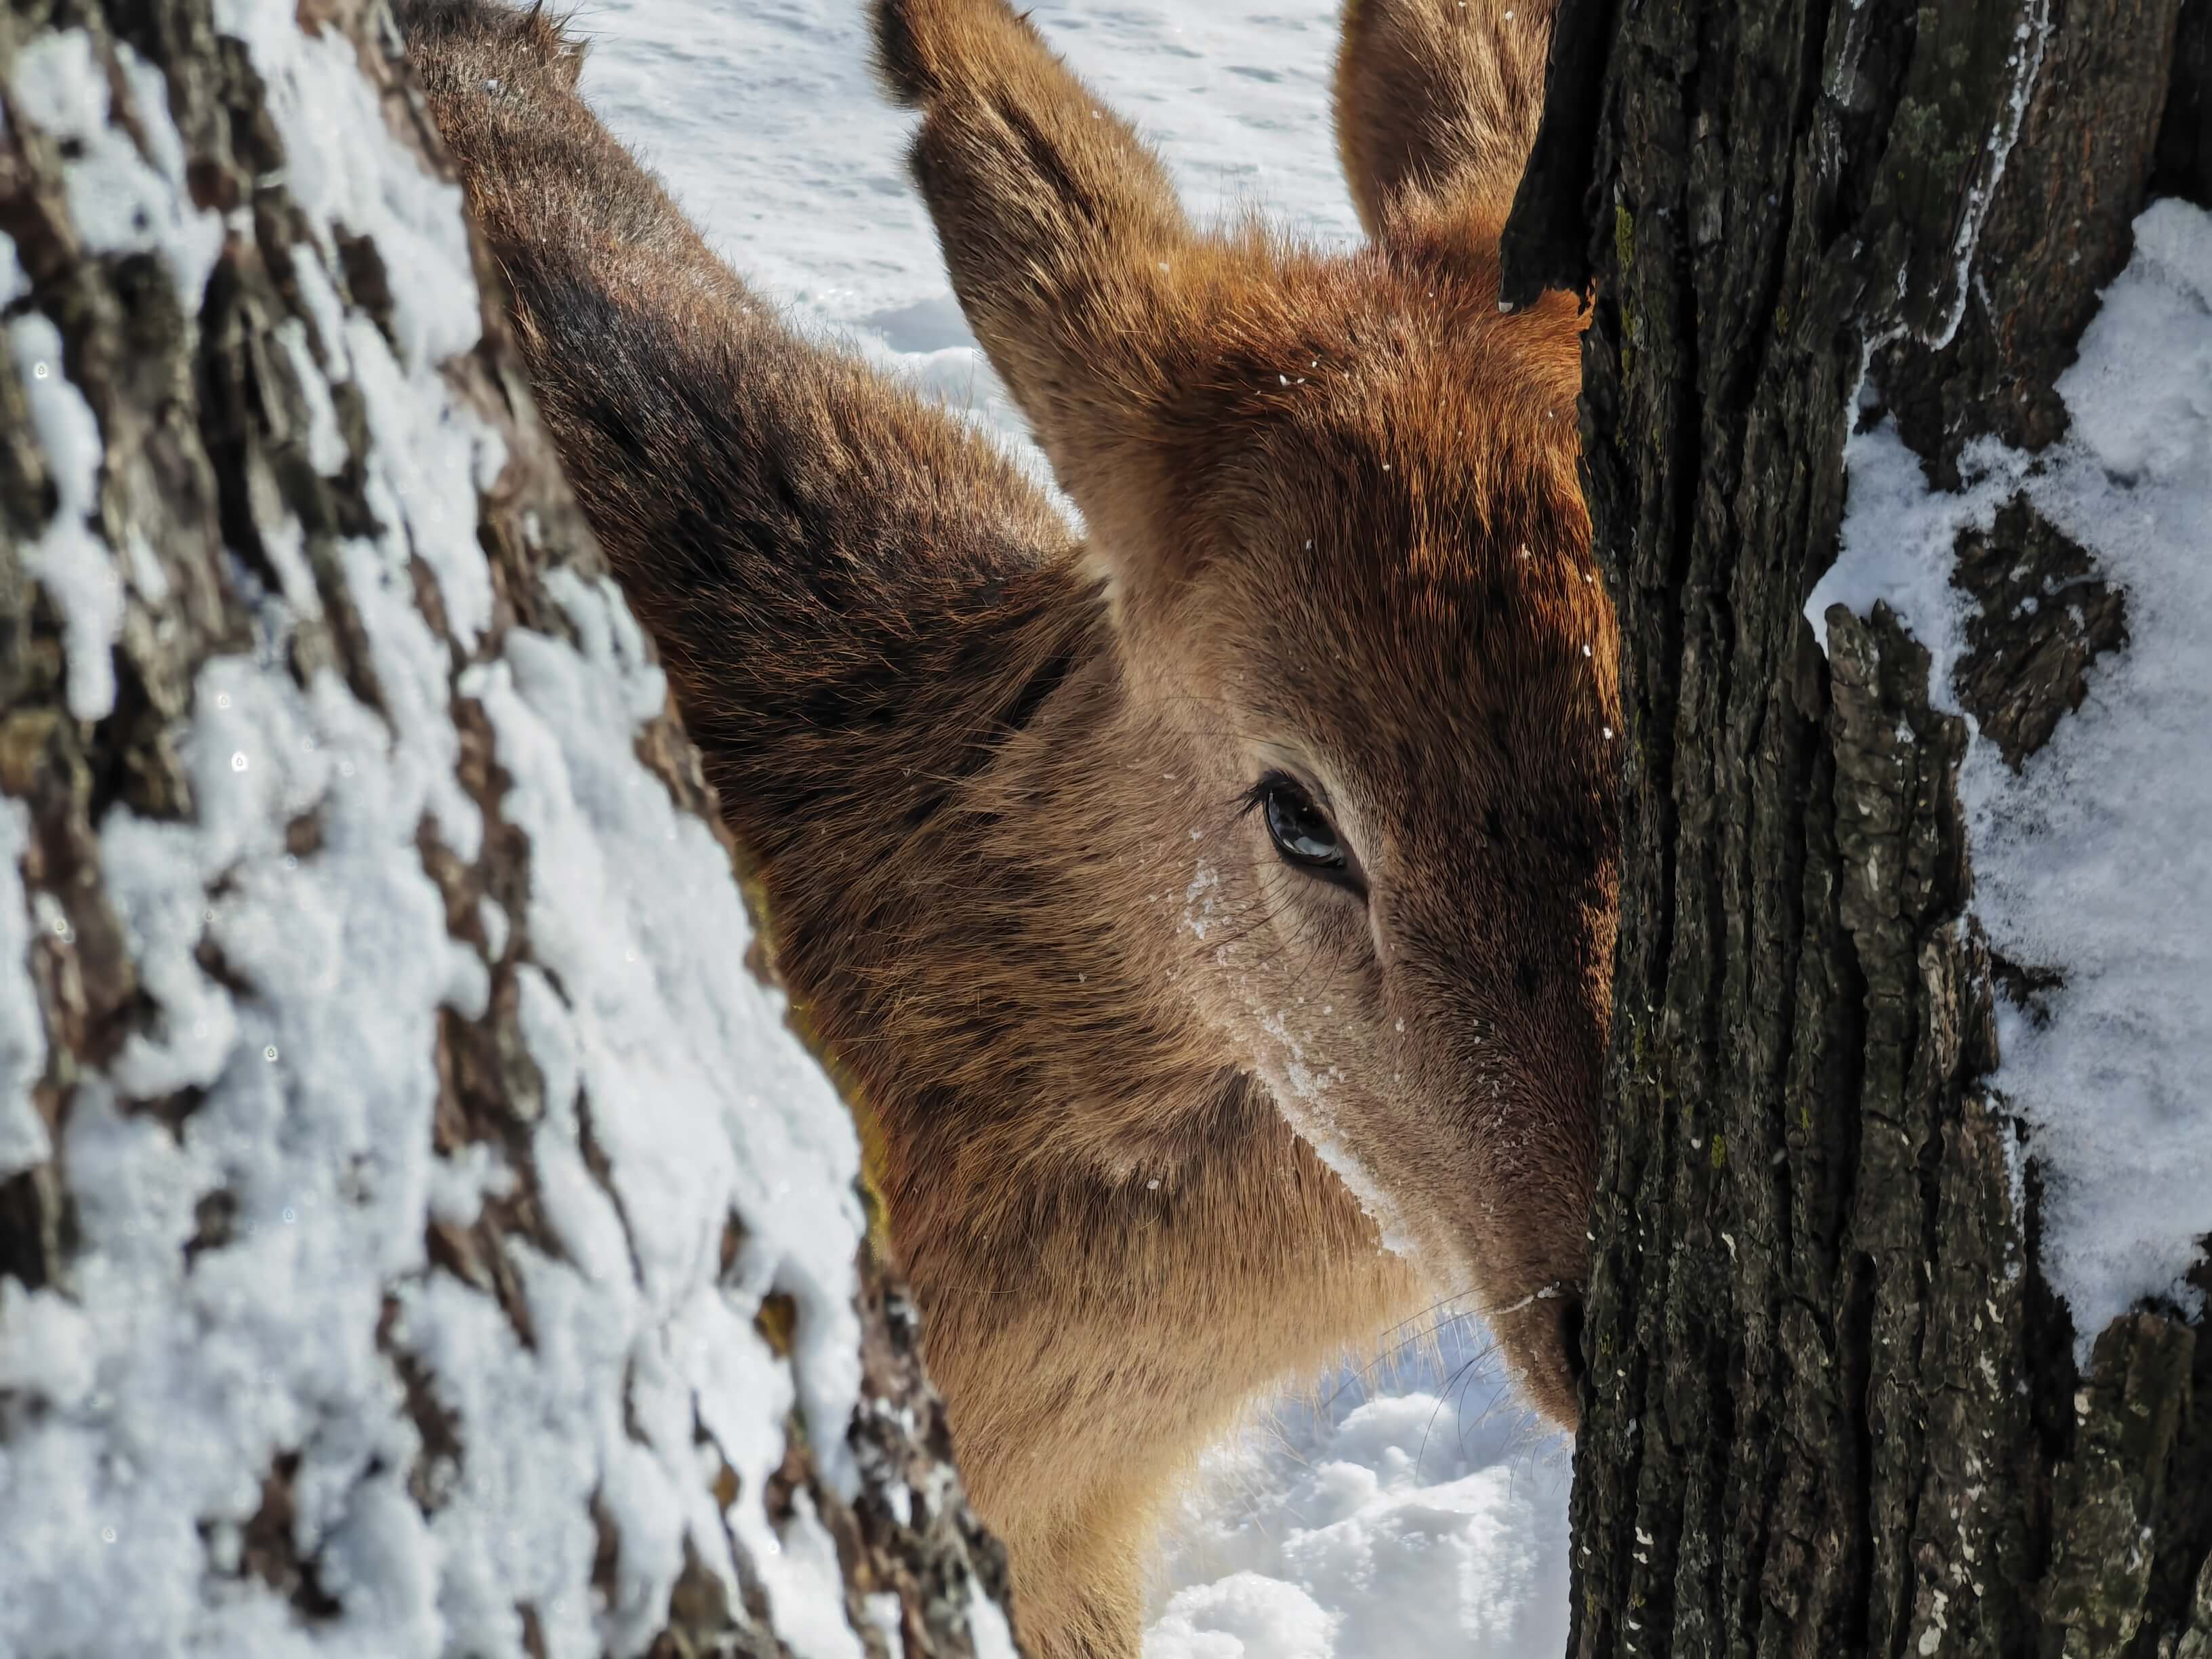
{"points": [[1063, 237], [1436, 99]]}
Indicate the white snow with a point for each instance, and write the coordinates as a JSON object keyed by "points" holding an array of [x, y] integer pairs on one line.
{"points": [[1431, 1518], [2093, 860], [324, 107], [79, 574], [767, 124], [23, 1138], [1897, 540], [151, 1392], [634, 911], [120, 201], [993, 1635], [1427, 1515]]}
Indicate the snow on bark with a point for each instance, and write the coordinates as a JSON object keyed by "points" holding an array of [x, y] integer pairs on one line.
{"points": [[77, 572], [2090, 865], [23, 1138], [437, 1237], [1835, 1405]]}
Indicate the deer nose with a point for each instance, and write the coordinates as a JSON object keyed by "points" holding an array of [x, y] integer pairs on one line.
{"points": [[1560, 1375], [1571, 1340]]}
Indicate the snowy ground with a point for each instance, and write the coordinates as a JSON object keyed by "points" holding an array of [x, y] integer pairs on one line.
{"points": [[1425, 1515], [1415, 1508], [767, 122]]}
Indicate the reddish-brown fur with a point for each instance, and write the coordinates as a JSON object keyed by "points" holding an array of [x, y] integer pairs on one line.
{"points": [[996, 775]]}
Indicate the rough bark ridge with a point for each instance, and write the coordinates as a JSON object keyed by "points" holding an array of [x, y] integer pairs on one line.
{"points": [[1833, 1407], [232, 480]]}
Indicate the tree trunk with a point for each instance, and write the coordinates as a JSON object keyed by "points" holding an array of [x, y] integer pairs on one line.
{"points": [[1834, 1407], [419, 1231]]}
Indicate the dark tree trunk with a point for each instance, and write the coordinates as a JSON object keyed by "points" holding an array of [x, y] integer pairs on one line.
{"points": [[245, 346], [1824, 1418]]}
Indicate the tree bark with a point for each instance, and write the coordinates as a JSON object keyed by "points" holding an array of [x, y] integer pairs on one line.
{"points": [[342, 1305], [1833, 1406]]}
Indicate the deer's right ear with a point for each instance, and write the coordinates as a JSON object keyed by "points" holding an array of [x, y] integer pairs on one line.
{"points": [[1437, 97], [1063, 237]]}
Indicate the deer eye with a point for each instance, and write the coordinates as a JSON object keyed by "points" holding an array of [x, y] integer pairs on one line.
{"points": [[1301, 830]]}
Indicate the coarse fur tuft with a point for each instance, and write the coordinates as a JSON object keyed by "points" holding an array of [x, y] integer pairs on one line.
{"points": [[1009, 788]]}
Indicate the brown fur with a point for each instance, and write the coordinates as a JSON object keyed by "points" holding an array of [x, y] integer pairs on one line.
{"points": [[996, 776], [1436, 107]]}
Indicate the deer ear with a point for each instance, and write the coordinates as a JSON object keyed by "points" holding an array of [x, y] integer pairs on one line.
{"points": [[1437, 105], [1061, 231]]}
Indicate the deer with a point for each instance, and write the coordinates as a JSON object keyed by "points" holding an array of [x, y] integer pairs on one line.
{"points": [[1210, 908]]}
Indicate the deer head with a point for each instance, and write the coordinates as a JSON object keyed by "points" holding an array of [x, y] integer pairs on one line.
{"points": [[1333, 502]]}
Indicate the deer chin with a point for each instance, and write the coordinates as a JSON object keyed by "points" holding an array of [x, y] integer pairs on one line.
{"points": [[1537, 1321], [1541, 1332]]}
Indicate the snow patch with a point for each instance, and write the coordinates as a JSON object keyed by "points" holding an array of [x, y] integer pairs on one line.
{"points": [[1897, 539], [347, 173], [994, 1638], [821, 215], [119, 201], [1376, 1523], [79, 575], [1200, 899], [23, 1139], [15, 281], [1245, 1613], [1300, 1094], [2091, 860], [326, 447], [231, 1273], [633, 910]]}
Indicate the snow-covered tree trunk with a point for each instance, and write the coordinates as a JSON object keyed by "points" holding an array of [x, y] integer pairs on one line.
{"points": [[419, 1231], [1897, 420]]}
